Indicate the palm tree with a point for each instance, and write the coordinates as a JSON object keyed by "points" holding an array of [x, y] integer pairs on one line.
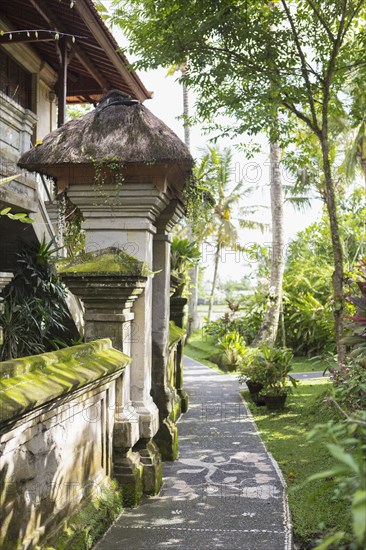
{"points": [[356, 150], [214, 170], [193, 320]]}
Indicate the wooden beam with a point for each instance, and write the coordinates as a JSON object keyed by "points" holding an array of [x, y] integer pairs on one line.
{"points": [[62, 83], [79, 53], [92, 69], [106, 42], [21, 36]]}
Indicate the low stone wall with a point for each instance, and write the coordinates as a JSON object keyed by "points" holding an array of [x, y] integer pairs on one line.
{"points": [[57, 414]]}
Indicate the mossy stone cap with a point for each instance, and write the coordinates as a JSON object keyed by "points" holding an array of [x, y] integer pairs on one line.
{"points": [[106, 260], [120, 129]]}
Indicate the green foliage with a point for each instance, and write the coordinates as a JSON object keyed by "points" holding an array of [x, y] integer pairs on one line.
{"points": [[35, 311], [350, 385], [346, 443], [20, 216], [239, 53], [308, 303], [357, 325], [309, 325], [314, 510], [274, 365], [246, 320], [184, 254], [233, 347], [346, 440]]}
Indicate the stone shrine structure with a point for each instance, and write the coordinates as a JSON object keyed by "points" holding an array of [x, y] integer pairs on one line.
{"points": [[126, 170]]}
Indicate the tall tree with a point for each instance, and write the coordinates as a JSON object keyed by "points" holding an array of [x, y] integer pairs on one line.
{"points": [[268, 329], [314, 55], [193, 319]]}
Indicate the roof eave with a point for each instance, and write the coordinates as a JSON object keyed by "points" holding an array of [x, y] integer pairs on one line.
{"points": [[88, 11]]}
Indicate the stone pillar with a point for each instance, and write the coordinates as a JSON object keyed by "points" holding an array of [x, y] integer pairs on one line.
{"points": [[5, 278], [164, 394], [177, 304], [108, 300], [125, 218]]}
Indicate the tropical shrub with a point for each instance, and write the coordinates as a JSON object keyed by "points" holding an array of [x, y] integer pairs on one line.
{"points": [[231, 350], [184, 254], [346, 442], [357, 322], [35, 311], [267, 365], [309, 325], [346, 439], [245, 318]]}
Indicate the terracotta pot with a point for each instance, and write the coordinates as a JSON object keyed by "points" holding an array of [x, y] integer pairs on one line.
{"points": [[275, 402]]}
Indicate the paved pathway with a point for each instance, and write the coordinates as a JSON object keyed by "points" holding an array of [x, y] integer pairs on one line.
{"points": [[225, 491], [308, 375]]}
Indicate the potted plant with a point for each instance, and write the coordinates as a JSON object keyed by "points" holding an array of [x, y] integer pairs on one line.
{"points": [[276, 365], [249, 372], [275, 396]]}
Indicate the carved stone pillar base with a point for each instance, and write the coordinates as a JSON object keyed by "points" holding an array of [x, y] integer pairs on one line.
{"points": [[128, 470], [167, 440], [152, 476]]}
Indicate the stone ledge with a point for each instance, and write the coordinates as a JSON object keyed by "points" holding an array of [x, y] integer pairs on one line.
{"points": [[30, 382]]}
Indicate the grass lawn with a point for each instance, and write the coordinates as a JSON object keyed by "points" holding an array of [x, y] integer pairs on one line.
{"points": [[313, 507], [200, 347], [303, 364]]}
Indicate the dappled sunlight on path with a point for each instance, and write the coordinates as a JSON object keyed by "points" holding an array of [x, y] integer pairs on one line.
{"points": [[224, 491]]}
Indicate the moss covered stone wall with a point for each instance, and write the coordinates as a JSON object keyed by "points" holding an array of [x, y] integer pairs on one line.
{"points": [[56, 427]]}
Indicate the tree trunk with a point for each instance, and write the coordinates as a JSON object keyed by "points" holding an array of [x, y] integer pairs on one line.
{"points": [[212, 295], [187, 132], [268, 330], [337, 277], [193, 320]]}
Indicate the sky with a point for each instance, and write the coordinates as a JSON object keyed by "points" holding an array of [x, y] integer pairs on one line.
{"points": [[167, 104]]}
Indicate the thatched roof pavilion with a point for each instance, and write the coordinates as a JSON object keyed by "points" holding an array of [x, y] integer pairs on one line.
{"points": [[120, 129]]}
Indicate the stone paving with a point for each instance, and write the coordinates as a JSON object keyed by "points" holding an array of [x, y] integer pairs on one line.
{"points": [[225, 491]]}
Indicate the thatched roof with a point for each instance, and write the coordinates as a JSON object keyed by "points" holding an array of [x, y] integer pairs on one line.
{"points": [[118, 128]]}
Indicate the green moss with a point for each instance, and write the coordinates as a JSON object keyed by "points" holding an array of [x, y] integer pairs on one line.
{"points": [[108, 260], [167, 440], [86, 527], [32, 381], [176, 412], [175, 333], [132, 492]]}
